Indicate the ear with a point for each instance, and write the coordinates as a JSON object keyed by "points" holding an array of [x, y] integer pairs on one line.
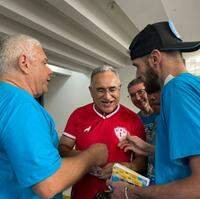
{"points": [[24, 63], [90, 89], [155, 58]]}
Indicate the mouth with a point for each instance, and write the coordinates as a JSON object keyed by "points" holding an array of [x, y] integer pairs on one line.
{"points": [[142, 102], [48, 80], [106, 103]]}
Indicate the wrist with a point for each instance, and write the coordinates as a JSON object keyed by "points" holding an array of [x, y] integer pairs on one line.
{"points": [[91, 161], [128, 191]]}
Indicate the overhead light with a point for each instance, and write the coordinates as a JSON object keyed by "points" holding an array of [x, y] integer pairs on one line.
{"points": [[59, 70]]}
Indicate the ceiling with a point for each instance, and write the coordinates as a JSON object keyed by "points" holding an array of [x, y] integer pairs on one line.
{"points": [[84, 34]]}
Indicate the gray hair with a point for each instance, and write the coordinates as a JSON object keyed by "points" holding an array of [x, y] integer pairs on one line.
{"points": [[103, 69], [12, 47]]}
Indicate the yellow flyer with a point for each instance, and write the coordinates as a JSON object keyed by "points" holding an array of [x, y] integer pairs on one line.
{"points": [[122, 173]]}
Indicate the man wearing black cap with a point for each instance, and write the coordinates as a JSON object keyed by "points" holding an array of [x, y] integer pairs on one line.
{"points": [[156, 53]]}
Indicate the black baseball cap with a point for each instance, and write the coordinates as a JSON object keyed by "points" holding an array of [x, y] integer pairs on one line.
{"points": [[161, 36]]}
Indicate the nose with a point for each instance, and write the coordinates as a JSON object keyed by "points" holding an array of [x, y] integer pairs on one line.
{"points": [[107, 94], [137, 96]]}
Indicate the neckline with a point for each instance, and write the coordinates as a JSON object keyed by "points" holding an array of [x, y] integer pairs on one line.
{"points": [[107, 116], [10, 82]]}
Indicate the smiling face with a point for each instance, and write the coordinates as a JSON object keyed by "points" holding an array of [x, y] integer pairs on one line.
{"points": [[138, 96], [105, 91]]}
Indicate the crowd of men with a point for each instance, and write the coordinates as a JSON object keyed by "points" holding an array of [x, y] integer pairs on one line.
{"points": [[35, 164]]}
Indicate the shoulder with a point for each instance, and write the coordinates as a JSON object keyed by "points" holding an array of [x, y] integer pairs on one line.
{"points": [[82, 112], [185, 84], [127, 112], [13, 94], [84, 109], [18, 100], [185, 80]]}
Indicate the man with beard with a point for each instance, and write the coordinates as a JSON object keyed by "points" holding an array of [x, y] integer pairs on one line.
{"points": [[104, 121], [156, 52]]}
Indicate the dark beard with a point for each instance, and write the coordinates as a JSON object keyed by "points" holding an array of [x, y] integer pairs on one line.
{"points": [[152, 82]]}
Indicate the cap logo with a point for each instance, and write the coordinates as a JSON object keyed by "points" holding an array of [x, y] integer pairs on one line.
{"points": [[173, 29]]}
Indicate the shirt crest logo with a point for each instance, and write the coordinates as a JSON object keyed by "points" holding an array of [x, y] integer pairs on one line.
{"points": [[87, 129], [121, 133]]}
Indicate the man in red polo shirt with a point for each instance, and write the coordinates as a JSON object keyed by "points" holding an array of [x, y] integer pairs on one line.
{"points": [[103, 121]]}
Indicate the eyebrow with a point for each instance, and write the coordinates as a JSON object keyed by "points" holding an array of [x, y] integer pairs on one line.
{"points": [[107, 87]]}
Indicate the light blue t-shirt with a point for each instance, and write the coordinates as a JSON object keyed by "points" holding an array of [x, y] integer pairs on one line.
{"points": [[150, 123], [178, 130], [28, 144]]}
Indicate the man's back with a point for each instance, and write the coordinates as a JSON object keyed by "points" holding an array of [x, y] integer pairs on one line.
{"points": [[23, 127], [178, 133]]}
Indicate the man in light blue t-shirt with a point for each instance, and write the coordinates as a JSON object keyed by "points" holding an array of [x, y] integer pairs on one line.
{"points": [[156, 52], [30, 165], [149, 105]]}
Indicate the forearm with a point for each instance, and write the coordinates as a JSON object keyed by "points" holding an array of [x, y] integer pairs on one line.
{"points": [[182, 189], [70, 153], [71, 170]]}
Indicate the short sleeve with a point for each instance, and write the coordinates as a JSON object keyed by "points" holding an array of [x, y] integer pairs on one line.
{"points": [[182, 112], [70, 128], [29, 141]]}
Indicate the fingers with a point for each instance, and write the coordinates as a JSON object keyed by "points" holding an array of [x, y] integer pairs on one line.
{"points": [[104, 176], [135, 149], [95, 171], [122, 146], [133, 139], [123, 142], [118, 189], [106, 171], [138, 142]]}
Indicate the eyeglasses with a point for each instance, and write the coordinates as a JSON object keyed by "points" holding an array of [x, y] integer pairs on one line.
{"points": [[140, 92], [111, 90]]}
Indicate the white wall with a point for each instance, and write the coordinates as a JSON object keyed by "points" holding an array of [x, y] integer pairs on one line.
{"points": [[65, 95], [68, 93]]}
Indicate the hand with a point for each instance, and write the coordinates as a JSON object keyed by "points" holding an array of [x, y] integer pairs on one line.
{"points": [[99, 153], [120, 190], [137, 145], [95, 171], [106, 171]]}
